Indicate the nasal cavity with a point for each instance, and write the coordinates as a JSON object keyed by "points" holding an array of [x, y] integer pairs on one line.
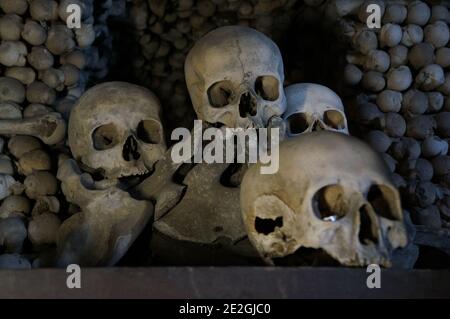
{"points": [[267, 225], [367, 229], [130, 149], [317, 126], [247, 105]]}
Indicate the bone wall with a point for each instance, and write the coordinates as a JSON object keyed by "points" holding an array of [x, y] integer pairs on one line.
{"points": [[394, 82], [44, 68]]}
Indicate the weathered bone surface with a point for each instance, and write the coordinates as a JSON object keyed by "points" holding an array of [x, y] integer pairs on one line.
{"points": [[200, 216], [313, 107], [8, 185], [49, 128], [161, 187], [336, 196], [235, 77], [108, 223], [197, 204], [115, 128]]}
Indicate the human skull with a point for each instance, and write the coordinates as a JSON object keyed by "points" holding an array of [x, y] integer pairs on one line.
{"points": [[332, 192], [313, 107], [235, 77], [115, 128]]}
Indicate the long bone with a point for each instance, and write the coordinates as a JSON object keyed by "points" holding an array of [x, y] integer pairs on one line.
{"points": [[108, 222], [50, 128]]}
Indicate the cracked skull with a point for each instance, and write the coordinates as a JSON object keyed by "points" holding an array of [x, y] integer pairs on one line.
{"points": [[235, 77], [115, 128], [336, 197], [313, 107]]}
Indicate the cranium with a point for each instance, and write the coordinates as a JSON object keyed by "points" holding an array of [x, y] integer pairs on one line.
{"points": [[115, 128], [197, 211], [313, 107], [107, 225], [332, 192], [235, 77]]}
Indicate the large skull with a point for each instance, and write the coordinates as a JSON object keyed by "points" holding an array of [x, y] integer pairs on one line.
{"points": [[332, 192], [313, 107], [116, 128], [235, 77]]}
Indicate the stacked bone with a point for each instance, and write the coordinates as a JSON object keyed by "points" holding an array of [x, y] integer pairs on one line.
{"points": [[44, 67], [167, 30], [403, 70]]}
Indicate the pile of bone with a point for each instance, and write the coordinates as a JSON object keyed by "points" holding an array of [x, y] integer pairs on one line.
{"points": [[44, 67], [403, 70], [167, 30], [331, 192], [347, 207]]}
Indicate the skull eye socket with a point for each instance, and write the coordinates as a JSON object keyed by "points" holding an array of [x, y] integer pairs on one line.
{"points": [[104, 137], [149, 131], [382, 199], [297, 123], [220, 94], [329, 203], [267, 87], [334, 119]]}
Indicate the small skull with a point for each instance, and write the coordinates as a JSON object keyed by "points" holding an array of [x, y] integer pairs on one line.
{"points": [[313, 107], [235, 77], [115, 128], [336, 196]]}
